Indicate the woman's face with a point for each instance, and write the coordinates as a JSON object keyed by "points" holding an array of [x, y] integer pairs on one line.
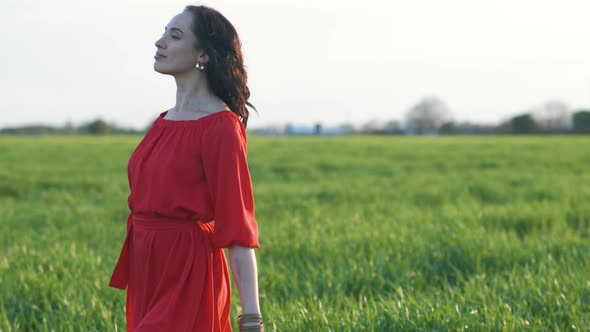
{"points": [[176, 52]]}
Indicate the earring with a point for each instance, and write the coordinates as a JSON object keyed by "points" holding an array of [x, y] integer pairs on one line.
{"points": [[200, 66]]}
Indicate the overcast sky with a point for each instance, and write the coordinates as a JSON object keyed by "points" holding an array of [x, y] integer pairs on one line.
{"points": [[307, 61]]}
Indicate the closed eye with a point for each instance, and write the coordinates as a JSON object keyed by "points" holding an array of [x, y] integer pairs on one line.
{"points": [[174, 37]]}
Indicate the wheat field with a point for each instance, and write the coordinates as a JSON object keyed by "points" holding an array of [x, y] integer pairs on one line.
{"points": [[357, 233]]}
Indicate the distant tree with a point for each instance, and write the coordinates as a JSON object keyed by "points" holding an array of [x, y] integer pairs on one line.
{"points": [[373, 126], [127, 131], [347, 128], [471, 128], [30, 130], [553, 116], [464, 127], [393, 127], [523, 124], [504, 126], [427, 115], [581, 121], [97, 127], [447, 128], [69, 128]]}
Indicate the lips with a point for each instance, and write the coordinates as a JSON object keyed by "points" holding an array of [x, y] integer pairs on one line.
{"points": [[159, 56]]}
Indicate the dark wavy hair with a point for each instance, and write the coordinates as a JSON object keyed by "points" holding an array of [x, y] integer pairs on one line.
{"points": [[226, 73]]}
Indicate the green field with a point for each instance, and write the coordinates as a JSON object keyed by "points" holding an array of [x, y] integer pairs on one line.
{"points": [[357, 233]]}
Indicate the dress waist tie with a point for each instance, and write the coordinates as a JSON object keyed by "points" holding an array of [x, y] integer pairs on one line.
{"points": [[120, 276]]}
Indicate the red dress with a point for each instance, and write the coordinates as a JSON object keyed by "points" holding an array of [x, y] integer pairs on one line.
{"points": [[183, 175]]}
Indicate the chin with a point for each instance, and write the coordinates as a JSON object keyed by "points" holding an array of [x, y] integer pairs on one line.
{"points": [[168, 69], [161, 70]]}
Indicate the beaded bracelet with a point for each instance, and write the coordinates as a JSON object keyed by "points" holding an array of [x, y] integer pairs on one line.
{"points": [[250, 318]]}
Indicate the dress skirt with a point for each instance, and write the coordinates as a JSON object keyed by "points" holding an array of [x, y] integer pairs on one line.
{"points": [[172, 264]]}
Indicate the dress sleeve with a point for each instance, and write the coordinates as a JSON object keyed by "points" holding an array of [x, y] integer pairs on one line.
{"points": [[224, 153]]}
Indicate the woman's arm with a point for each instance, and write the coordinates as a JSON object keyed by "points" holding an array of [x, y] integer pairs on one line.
{"points": [[244, 270]]}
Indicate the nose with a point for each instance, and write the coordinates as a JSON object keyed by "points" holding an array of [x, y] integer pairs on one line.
{"points": [[159, 43]]}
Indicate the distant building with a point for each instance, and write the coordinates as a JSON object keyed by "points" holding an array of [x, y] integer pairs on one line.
{"points": [[297, 129], [293, 129], [272, 130], [318, 128]]}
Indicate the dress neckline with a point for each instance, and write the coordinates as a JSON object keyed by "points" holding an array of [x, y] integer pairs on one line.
{"points": [[190, 122]]}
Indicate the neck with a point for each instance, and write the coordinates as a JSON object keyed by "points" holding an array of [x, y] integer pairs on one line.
{"points": [[192, 92]]}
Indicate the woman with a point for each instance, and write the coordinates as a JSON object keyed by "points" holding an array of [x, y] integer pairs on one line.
{"points": [[189, 169]]}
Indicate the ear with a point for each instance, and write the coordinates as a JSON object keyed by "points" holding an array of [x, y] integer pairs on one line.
{"points": [[203, 57]]}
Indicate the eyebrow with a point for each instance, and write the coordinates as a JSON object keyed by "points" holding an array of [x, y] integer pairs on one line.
{"points": [[177, 29]]}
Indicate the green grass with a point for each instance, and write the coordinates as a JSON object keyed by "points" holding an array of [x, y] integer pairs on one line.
{"points": [[357, 233]]}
